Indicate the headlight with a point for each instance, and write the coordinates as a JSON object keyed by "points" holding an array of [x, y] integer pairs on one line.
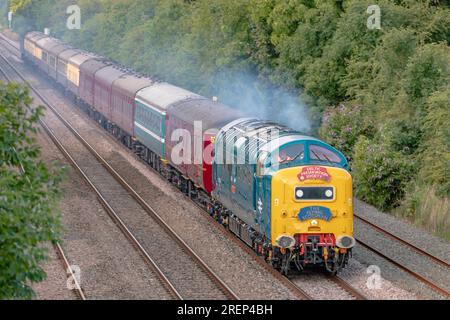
{"points": [[329, 193], [345, 242], [299, 193], [285, 241]]}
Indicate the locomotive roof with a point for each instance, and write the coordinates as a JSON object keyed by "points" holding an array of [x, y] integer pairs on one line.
{"points": [[263, 129], [259, 135], [162, 95], [31, 34]]}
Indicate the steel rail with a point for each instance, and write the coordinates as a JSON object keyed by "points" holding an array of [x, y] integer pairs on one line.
{"points": [[115, 217], [348, 287], [10, 42], [414, 247], [68, 268], [432, 285]]}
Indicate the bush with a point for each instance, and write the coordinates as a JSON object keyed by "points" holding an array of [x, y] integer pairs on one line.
{"points": [[342, 126], [380, 175], [28, 191], [435, 154], [427, 71], [403, 136]]}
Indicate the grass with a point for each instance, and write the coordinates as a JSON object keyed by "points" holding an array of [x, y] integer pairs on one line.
{"points": [[424, 208]]}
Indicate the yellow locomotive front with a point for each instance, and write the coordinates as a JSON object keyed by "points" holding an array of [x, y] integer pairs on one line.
{"points": [[311, 205], [312, 217]]}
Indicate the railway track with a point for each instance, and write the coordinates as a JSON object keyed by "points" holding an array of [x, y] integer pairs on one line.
{"points": [[185, 255], [78, 291], [406, 243], [348, 288], [337, 280], [413, 273], [10, 42]]}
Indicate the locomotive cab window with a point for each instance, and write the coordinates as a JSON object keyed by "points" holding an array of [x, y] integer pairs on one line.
{"points": [[287, 154], [321, 154]]}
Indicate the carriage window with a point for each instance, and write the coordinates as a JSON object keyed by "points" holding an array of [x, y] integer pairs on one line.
{"points": [[323, 154]]}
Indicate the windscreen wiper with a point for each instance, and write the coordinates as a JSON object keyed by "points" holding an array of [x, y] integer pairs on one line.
{"points": [[319, 158]]}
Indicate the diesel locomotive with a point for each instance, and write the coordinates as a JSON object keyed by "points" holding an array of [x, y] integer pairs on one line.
{"points": [[286, 195]]}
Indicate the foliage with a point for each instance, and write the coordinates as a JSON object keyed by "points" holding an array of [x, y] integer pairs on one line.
{"points": [[435, 155], [380, 175], [342, 127], [28, 190]]}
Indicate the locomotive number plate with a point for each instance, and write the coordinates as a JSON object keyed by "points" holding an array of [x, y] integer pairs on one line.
{"points": [[315, 212]]}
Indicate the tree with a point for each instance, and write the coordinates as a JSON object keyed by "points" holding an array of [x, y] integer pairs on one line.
{"points": [[435, 155], [380, 175], [28, 191]]}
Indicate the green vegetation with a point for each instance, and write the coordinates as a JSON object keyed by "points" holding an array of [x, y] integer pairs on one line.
{"points": [[381, 96], [28, 191]]}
